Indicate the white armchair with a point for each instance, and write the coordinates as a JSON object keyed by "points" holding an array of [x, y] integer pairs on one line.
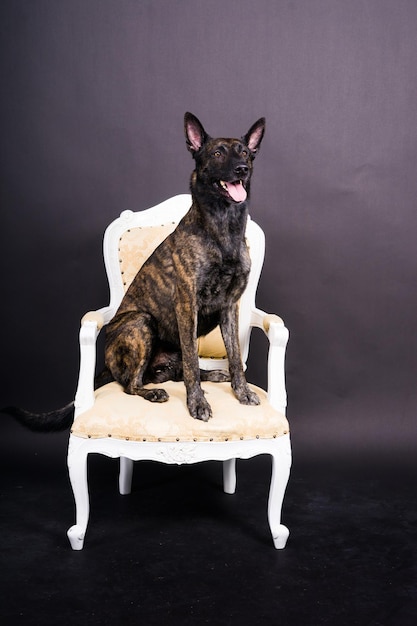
{"points": [[113, 423]]}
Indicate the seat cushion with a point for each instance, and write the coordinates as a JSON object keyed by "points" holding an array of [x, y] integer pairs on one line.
{"points": [[122, 416]]}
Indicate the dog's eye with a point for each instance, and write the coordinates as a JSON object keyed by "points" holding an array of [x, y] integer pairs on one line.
{"points": [[244, 153], [217, 154]]}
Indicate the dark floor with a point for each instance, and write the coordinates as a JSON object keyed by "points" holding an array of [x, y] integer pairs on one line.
{"points": [[179, 551]]}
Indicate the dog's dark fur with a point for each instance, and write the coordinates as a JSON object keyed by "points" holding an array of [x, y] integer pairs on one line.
{"points": [[189, 285]]}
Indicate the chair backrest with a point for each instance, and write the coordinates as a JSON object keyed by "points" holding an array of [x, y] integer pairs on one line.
{"points": [[130, 240]]}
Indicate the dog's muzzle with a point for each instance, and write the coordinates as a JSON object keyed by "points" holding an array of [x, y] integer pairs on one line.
{"points": [[236, 188]]}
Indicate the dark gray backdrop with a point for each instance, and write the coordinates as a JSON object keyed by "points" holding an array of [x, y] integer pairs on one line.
{"points": [[93, 97]]}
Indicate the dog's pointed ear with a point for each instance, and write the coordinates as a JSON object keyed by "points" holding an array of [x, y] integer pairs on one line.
{"points": [[195, 134], [254, 135]]}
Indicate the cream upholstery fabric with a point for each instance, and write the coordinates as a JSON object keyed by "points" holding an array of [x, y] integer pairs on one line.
{"points": [[122, 416], [136, 245], [211, 346], [94, 316], [270, 319]]}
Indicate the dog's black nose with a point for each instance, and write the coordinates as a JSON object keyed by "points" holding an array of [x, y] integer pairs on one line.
{"points": [[241, 170]]}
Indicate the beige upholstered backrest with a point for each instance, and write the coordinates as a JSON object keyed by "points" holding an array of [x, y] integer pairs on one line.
{"points": [[136, 245]]}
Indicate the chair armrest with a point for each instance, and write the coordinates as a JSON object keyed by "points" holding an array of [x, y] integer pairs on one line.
{"points": [[277, 333], [91, 324], [101, 316]]}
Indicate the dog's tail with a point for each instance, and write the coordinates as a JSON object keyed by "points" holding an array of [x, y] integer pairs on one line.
{"points": [[54, 421]]}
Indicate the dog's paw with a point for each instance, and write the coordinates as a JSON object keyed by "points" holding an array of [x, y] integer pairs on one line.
{"points": [[200, 409], [247, 396], [215, 376], [155, 395]]}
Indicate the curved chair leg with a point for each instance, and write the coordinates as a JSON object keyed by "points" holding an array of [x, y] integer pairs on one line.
{"points": [[229, 476], [125, 475], [281, 463], [77, 466]]}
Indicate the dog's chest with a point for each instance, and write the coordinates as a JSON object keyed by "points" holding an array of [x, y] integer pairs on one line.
{"points": [[221, 281]]}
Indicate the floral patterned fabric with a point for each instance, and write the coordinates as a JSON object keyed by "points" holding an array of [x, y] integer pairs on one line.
{"points": [[136, 245], [122, 416]]}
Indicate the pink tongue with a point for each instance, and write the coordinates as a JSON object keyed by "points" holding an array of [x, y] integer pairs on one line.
{"points": [[236, 191]]}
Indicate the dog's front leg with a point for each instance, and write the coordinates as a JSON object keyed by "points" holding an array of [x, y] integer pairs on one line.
{"points": [[186, 312], [229, 324]]}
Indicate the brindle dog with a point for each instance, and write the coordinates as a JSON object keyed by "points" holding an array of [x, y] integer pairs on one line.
{"points": [[193, 280], [190, 284]]}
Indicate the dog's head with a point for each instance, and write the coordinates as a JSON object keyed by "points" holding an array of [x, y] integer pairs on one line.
{"points": [[223, 166]]}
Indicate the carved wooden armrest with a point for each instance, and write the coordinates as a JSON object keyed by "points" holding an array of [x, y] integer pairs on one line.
{"points": [[91, 324], [277, 333]]}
